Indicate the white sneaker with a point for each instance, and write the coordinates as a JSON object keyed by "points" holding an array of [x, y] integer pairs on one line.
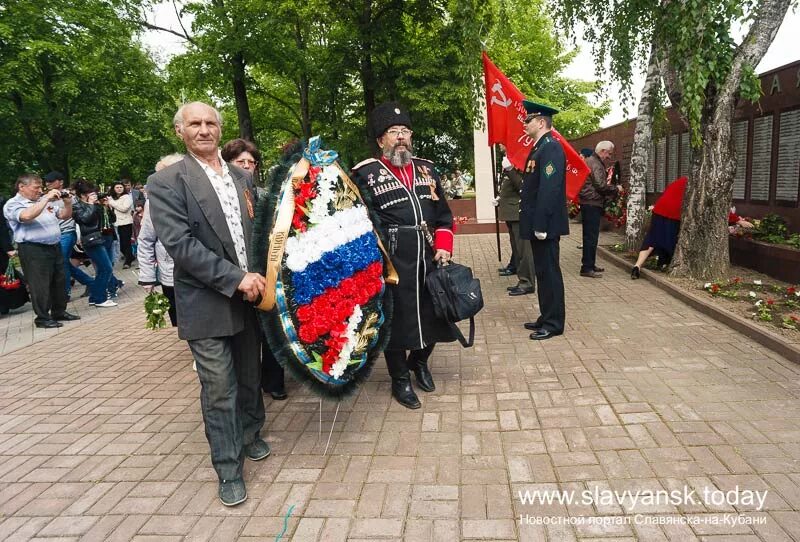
{"points": [[106, 303]]}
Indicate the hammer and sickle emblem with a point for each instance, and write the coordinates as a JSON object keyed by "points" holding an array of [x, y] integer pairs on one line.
{"points": [[498, 88]]}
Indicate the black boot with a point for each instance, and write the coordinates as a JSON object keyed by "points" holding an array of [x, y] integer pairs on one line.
{"points": [[418, 362], [401, 381]]}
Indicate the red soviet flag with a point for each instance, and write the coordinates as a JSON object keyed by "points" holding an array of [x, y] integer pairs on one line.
{"points": [[505, 118]]}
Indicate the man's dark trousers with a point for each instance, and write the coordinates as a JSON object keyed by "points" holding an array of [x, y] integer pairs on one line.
{"points": [[590, 217], [229, 369], [550, 284], [43, 266]]}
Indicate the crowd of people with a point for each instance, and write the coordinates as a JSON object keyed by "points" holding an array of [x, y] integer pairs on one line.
{"points": [[57, 231], [191, 230], [455, 184]]}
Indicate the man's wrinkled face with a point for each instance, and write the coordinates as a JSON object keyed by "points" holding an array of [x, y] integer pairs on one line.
{"points": [[32, 191], [200, 130], [395, 143], [606, 155]]}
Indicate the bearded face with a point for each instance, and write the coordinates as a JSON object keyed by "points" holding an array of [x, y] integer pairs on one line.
{"points": [[396, 146]]}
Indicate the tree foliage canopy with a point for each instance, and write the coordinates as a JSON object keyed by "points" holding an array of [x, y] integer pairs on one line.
{"points": [[320, 66], [77, 93], [695, 41], [80, 94]]}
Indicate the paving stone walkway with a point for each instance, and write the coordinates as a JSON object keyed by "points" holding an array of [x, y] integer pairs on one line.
{"points": [[101, 436]]}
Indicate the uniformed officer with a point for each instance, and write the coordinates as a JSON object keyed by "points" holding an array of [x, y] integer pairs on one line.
{"points": [[410, 208], [543, 217], [508, 210]]}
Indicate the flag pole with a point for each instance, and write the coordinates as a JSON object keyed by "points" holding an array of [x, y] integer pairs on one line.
{"points": [[496, 218]]}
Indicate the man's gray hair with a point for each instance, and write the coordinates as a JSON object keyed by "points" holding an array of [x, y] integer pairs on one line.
{"points": [[177, 120], [604, 146], [168, 160], [27, 178]]}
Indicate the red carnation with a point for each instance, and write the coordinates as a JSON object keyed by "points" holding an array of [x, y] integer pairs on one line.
{"points": [[307, 191]]}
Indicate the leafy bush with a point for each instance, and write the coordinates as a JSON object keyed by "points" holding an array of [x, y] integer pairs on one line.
{"points": [[771, 229]]}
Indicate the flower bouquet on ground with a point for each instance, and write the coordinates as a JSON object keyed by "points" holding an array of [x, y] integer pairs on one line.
{"points": [[13, 293], [325, 306], [9, 280]]}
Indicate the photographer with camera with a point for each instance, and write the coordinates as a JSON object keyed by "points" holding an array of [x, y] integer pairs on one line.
{"points": [[88, 214], [55, 181], [110, 240], [34, 219]]}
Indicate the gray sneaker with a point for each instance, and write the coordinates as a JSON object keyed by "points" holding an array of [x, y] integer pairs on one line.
{"points": [[257, 450], [232, 492]]}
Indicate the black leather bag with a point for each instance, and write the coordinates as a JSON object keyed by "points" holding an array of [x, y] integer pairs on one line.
{"points": [[456, 296], [93, 239]]}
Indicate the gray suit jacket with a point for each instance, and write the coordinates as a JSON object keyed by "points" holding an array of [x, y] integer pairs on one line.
{"points": [[190, 223]]}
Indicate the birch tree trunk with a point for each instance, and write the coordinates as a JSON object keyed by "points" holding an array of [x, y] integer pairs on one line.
{"points": [[640, 155], [702, 251]]}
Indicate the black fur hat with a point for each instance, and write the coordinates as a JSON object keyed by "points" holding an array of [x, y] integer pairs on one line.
{"points": [[386, 115]]}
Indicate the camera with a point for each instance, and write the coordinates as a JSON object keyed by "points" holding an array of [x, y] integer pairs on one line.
{"points": [[65, 194]]}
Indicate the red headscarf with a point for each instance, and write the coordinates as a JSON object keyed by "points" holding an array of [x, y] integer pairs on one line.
{"points": [[671, 200]]}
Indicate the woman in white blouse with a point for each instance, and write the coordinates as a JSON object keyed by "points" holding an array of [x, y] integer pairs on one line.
{"points": [[122, 203]]}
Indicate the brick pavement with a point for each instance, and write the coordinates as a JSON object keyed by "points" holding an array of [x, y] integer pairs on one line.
{"points": [[101, 436]]}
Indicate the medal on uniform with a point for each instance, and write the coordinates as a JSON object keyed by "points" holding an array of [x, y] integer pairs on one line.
{"points": [[434, 196]]}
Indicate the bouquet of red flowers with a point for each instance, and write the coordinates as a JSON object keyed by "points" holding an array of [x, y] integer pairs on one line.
{"points": [[616, 210], [9, 280], [573, 207]]}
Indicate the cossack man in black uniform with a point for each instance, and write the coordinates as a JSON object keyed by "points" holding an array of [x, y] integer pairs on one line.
{"points": [[543, 217], [409, 208]]}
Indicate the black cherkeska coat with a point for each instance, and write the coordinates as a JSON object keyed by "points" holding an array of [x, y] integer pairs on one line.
{"points": [[396, 211]]}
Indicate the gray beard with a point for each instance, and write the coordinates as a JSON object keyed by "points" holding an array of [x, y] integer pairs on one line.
{"points": [[398, 158]]}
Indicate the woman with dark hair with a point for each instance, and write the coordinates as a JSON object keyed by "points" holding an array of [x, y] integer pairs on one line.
{"points": [[243, 154], [88, 215], [122, 204]]}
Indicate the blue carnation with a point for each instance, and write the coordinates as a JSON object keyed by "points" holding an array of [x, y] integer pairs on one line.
{"points": [[333, 267]]}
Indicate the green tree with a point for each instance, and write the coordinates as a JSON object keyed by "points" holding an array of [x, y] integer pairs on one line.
{"points": [[705, 72], [77, 93], [319, 68]]}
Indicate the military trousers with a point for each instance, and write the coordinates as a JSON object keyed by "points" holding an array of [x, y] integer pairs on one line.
{"points": [[525, 269]]}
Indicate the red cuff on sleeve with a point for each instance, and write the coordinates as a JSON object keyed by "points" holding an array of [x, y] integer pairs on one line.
{"points": [[443, 240]]}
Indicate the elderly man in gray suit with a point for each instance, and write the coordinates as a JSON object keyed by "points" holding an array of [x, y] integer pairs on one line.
{"points": [[202, 211]]}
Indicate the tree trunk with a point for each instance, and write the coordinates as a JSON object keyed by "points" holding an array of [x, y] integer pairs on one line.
{"points": [[702, 251], [303, 86], [640, 156], [365, 68], [240, 97], [27, 129], [58, 136]]}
